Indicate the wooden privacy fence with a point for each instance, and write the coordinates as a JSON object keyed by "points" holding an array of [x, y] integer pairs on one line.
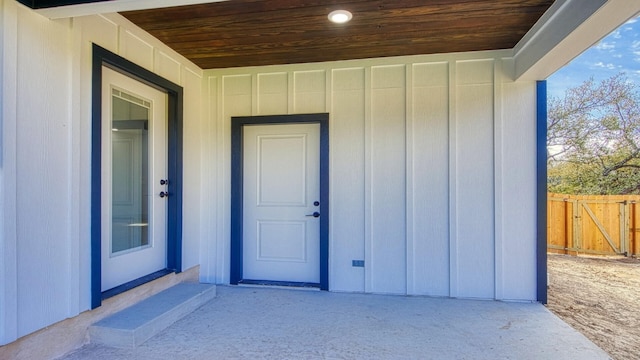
{"points": [[593, 224]]}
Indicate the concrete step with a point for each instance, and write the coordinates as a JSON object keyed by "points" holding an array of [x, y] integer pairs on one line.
{"points": [[136, 324]]}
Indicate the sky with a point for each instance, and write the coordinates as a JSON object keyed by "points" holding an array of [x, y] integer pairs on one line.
{"points": [[615, 53]]}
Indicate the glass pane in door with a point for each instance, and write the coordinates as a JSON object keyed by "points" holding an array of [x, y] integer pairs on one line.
{"points": [[130, 173]]}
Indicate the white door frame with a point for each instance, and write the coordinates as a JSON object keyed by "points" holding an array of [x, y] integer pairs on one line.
{"points": [[237, 124], [103, 57]]}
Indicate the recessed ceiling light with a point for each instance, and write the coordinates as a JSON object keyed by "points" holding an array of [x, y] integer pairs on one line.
{"points": [[340, 16]]}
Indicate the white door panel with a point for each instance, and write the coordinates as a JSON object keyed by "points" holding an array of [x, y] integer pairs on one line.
{"points": [[134, 159], [281, 184]]}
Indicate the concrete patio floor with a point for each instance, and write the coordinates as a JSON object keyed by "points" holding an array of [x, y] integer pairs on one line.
{"points": [[269, 323]]}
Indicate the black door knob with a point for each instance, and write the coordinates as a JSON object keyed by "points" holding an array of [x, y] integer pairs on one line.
{"points": [[315, 214]]}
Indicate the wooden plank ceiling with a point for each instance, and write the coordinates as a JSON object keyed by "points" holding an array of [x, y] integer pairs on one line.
{"points": [[239, 33]]}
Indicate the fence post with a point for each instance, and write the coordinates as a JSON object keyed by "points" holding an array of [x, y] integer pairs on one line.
{"points": [[624, 227], [566, 225], [632, 244], [577, 227]]}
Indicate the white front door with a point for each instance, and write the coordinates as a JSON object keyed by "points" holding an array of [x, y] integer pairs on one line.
{"points": [[134, 161], [281, 192]]}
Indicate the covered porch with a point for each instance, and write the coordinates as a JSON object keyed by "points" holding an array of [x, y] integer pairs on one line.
{"points": [[434, 185], [273, 323]]}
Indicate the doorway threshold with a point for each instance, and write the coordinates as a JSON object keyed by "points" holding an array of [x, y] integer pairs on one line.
{"points": [[291, 285], [134, 283]]}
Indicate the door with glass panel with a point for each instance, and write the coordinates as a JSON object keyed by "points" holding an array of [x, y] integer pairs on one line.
{"points": [[134, 184]]}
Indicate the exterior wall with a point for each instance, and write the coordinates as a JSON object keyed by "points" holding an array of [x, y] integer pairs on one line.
{"points": [[45, 166], [432, 165], [62, 337], [432, 169]]}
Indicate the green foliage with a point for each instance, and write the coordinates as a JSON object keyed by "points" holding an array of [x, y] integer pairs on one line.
{"points": [[587, 179], [593, 139]]}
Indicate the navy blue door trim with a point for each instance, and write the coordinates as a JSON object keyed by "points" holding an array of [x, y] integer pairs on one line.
{"points": [[237, 124], [103, 57], [541, 189]]}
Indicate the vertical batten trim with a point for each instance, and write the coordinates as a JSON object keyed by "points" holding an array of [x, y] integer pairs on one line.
{"points": [[453, 221], [255, 84], [154, 62], [328, 92], [75, 169], [214, 271], [541, 190], [368, 248], [291, 92], [205, 256], [409, 182], [209, 185], [498, 144], [221, 173], [407, 97]]}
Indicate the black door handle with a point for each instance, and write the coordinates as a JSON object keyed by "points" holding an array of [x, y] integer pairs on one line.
{"points": [[315, 214]]}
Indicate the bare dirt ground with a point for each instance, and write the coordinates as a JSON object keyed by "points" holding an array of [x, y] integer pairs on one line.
{"points": [[600, 297]]}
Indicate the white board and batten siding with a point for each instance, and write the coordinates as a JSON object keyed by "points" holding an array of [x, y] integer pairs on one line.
{"points": [[46, 148], [432, 164]]}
